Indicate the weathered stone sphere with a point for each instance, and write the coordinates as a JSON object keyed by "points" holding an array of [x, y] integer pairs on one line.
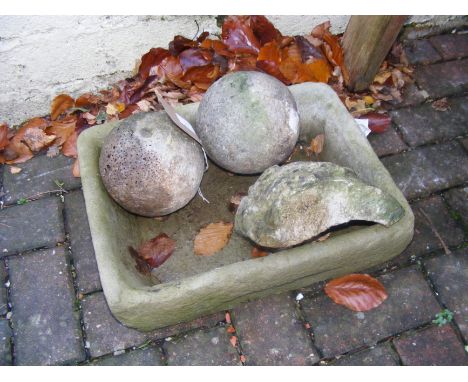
{"points": [[247, 122], [149, 166]]}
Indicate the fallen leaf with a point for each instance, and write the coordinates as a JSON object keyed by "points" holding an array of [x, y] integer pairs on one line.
{"points": [[4, 141], [228, 318], [441, 104], [155, 251], [15, 170], [62, 129], [212, 238], [235, 201], [378, 123], [37, 139], [316, 145], [88, 99], [40, 123], [257, 252], [238, 36], [76, 169], [150, 61], [69, 148], [231, 329], [358, 292], [115, 108], [53, 151], [60, 104], [233, 341], [242, 358]]}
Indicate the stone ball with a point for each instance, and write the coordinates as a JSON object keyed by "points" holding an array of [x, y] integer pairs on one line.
{"points": [[247, 122], [149, 166]]}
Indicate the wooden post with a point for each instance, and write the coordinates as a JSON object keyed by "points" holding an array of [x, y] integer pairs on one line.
{"points": [[366, 42]]}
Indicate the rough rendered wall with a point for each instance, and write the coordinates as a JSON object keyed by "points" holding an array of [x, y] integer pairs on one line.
{"points": [[42, 56]]}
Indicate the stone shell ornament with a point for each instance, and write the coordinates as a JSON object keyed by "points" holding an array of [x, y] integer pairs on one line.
{"points": [[149, 166], [296, 202], [247, 122]]}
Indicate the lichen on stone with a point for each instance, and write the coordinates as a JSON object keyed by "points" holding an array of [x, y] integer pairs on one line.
{"points": [[296, 202]]}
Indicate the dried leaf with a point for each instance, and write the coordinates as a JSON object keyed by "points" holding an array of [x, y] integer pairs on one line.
{"points": [[87, 100], [378, 123], [358, 292], [69, 148], [150, 61], [62, 129], [233, 341], [37, 139], [235, 201], [53, 151], [264, 30], [156, 250], [257, 252], [441, 104], [382, 76], [76, 169], [230, 329], [4, 141], [40, 123], [15, 170], [114, 108], [238, 36], [316, 145], [60, 104], [212, 238]]}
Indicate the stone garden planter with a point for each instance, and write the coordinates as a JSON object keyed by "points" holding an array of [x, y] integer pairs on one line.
{"points": [[191, 286]]}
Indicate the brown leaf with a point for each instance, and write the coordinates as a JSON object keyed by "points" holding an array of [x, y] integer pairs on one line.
{"points": [[53, 151], [37, 139], [87, 100], [358, 292], [17, 151], [316, 145], [60, 104], [69, 148], [157, 250], [264, 30], [150, 61], [4, 141], [233, 341], [269, 59], [378, 123], [238, 36], [62, 129], [212, 238], [40, 123], [235, 201], [257, 252], [76, 169], [441, 104]]}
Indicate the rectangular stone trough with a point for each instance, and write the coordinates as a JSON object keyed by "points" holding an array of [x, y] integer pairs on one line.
{"points": [[188, 286]]}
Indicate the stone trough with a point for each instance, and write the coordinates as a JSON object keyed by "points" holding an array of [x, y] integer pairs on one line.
{"points": [[188, 286]]}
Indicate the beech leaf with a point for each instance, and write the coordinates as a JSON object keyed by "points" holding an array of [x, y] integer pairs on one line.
{"points": [[3, 136], [60, 104], [358, 292], [378, 123], [37, 139], [153, 253], [258, 252], [212, 238]]}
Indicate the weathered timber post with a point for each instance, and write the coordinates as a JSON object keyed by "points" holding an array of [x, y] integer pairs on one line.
{"points": [[366, 42]]}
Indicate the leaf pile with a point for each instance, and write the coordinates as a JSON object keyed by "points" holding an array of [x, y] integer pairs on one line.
{"points": [[182, 73]]}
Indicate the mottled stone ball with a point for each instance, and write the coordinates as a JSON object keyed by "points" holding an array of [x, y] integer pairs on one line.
{"points": [[149, 166], [247, 122]]}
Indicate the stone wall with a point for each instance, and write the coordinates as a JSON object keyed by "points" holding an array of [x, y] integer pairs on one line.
{"points": [[42, 56]]}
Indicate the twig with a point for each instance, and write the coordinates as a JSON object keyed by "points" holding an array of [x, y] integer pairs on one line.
{"points": [[447, 251], [36, 196], [198, 30]]}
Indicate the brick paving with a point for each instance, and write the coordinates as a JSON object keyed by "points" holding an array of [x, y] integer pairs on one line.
{"points": [[53, 311]]}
